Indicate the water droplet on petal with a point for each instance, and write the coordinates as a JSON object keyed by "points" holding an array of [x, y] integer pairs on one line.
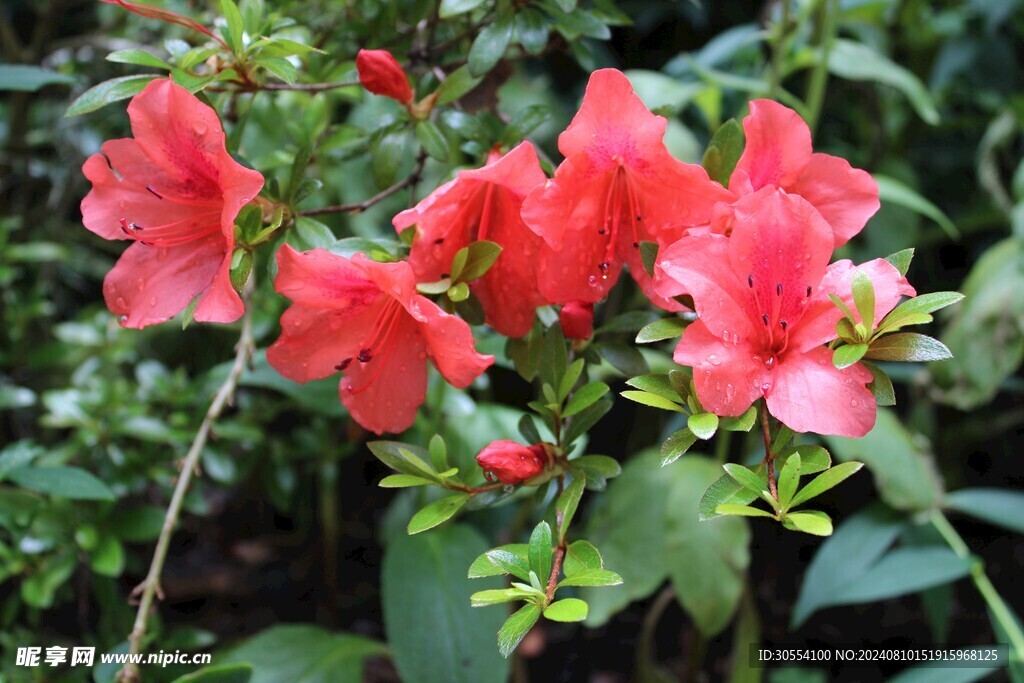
{"points": [[730, 392], [854, 403], [592, 281], [713, 359]]}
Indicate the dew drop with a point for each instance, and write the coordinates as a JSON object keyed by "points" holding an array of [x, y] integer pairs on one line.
{"points": [[765, 387], [592, 281], [714, 360], [152, 301], [730, 392], [854, 403]]}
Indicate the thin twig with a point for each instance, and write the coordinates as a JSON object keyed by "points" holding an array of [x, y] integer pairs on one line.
{"points": [[150, 587], [556, 569], [359, 207], [769, 457], [305, 87]]}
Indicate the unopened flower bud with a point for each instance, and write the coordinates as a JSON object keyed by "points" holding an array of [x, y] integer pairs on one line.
{"points": [[577, 318], [381, 74], [510, 462]]}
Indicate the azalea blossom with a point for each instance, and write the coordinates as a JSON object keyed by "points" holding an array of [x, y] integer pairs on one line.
{"points": [[381, 74], [366, 320], [510, 462], [778, 153], [764, 315], [577, 320], [484, 204], [617, 187], [174, 191]]}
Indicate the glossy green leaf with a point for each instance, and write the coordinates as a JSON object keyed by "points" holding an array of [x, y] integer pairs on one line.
{"points": [[437, 513], [703, 425], [498, 596], [453, 8], [895, 192], [567, 610], [848, 354], [724, 491], [303, 654], [676, 445], [584, 397], [908, 347], [724, 151], [826, 480], [107, 92], [433, 140], [506, 559], [741, 511], [812, 522], [652, 400], [789, 479], [136, 56], [26, 78], [581, 556], [398, 481], [490, 45], [65, 482], [516, 627], [457, 84], [743, 423], [666, 328], [1001, 507], [540, 550], [565, 506], [591, 577], [859, 62]]}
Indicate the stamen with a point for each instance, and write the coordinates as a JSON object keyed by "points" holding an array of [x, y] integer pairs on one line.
{"points": [[365, 355], [808, 290], [778, 289], [602, 231], [152, 191], [380, 337], [750, 281], [764, 319], [343, 364], [784, 325]]}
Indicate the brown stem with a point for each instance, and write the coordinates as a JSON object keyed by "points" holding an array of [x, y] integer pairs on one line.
{"points": [[769, 457], [304, 87], [150, 586], [359, 207], [556, 569]]}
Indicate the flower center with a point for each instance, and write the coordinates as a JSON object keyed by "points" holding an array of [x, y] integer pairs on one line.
{"points": [[194, 226], [377, 346], [774, 308], [621, 212]]}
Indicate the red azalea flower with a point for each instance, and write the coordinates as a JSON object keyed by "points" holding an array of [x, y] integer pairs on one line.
{"points": [[175, 191], [577, 320], [764, 316], [778, 154], [381, 74], [510, 462], [617, 187], [366, 320], [484, 204]]}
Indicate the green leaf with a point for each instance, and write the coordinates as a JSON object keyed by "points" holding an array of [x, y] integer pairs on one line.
{"points": [[480, 256], [581, 556], [895, 192], [524, 122], [649, 255], [17, 455], [676, 445], [741, 511], [505, 559], [457, 84], [655, 384], [747, 479], [219, 673], [904, 570], [565, 506], [707, 561], [405, 458], [490, 45], [901, 259], [567, 610], [652, 400], [597, 469], [900, 462], [586, 419], [458, 292], [848, 355], [724, 151], [789, 478], [864, 298], [858, 62], [667, 328], [433, 633], [810, 522], [880, 386], [725, 491], [515, 629], [826, 480], [398, 481], [584, 397], [813, 459], [453, 8], [25, 78], [107, 92], [918, 310], [703, 425], [136, 56], [437, 513], [540, 550], [845, 557], [1001, 507], [624, 358], [498, 596], [531, 30], [235, 29], [387, 152], [743, 423], [591, 577], [433, 140], [72, 483], [908, 347], [303, 654]]}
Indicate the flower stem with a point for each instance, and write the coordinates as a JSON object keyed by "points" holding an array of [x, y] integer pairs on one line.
{"points": [[150, 587], [769, 457], [778, 52], [996, 605], [359, 207], [828, 15]]}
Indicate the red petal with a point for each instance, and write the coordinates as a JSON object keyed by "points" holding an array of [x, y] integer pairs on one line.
{"points": [[320, 279], [220, 303], [778, 148], [384, 394], [699, 265], [846, 197], [149, 285], [314, 341], [727, 378], [808, 394]]}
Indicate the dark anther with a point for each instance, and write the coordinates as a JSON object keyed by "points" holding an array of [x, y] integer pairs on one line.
{"points": [[152, 190], [764, 318], [439, 240], [750, 281], [343, 364], [636, 245], [604, 265], [784, 325], [365, 356], [602, 231], [639, 218], [808, 290], [778, 289]]}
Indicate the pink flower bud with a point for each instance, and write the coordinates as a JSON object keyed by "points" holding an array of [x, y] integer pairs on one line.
{"points": [[577, 318], [381, 74], [510, 462]]}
